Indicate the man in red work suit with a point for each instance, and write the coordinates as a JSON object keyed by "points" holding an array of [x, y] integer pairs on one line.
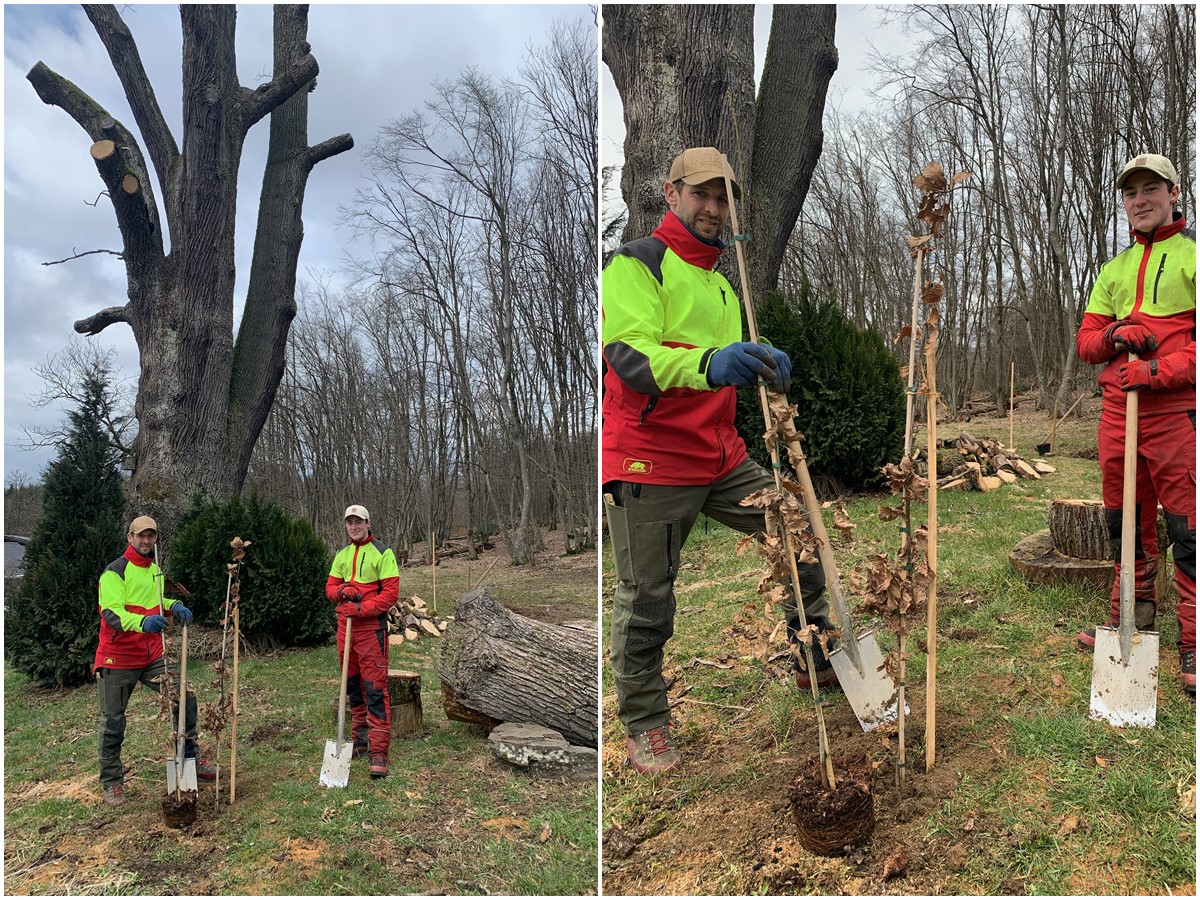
{"points": [[364, 582], [1144, 302]]}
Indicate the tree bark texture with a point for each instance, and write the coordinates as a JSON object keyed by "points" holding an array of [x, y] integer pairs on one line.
{"points": [[685, 74], [497, 666], [1079, 529], [404, 695], [180, 306]]}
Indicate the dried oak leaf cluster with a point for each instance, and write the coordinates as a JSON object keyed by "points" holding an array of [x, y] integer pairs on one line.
{"points": [[897, 588], [787, 507]]}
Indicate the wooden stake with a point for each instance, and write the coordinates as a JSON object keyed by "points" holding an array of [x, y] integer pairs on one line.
{"points": [[237, 639], [751, 323], [433, 567], [931, 611], [1012, 382], [912, 353]]}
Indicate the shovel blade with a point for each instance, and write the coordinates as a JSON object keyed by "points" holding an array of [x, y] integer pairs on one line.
{"points": [[183, 779], [1125, 694], [871, 692], [335, 771]]}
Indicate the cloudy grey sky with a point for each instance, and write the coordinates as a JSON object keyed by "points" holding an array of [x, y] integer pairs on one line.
{"points": [[377, 62]]}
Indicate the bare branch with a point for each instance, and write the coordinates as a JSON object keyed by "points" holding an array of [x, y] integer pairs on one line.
{"points": [[97, 323], [123, 53], [266, 97], [331, 147], [84, 253]]}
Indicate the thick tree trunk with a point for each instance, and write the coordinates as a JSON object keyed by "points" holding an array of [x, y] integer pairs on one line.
{"points": [[180, 307], [685, 74], [496, 666]]}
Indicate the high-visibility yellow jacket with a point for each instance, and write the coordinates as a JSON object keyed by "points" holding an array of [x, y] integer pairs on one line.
{"points": [[128, 594], [1151, 283], [371, 568], [665, 311]]}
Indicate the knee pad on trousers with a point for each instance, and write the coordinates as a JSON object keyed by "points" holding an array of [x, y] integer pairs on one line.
{"points": [[651, 624], [1114, 518], [1184, 539]]}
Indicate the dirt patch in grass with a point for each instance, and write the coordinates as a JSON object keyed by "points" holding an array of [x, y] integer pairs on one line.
{"points": [[676, 846]]}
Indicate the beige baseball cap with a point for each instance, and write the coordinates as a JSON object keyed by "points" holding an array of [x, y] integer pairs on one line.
{"points": [[142, 523], [697, 165], [1151, 162], [360, 511]]}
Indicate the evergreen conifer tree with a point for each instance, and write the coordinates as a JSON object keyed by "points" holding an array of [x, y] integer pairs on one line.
{"points": [[51, 625]]}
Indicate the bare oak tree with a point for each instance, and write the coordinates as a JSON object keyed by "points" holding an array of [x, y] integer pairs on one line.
{"points": [[201, 399]]}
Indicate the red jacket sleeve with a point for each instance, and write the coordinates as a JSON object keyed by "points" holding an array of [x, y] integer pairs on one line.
{"points": [[380, 600], [332, 586], [1092, 343]]}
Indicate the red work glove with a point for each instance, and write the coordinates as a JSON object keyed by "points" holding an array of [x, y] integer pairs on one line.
{"points": [[1136, 374], [348, 608], [1132, 337], [350, 592]]}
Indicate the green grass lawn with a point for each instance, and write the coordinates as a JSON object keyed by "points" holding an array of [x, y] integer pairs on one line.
{"points": [[450, 818], [1029, 796]]}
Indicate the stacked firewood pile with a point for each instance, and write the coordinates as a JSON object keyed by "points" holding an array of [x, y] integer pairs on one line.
{"points": [[410, 618], [968, 463]]}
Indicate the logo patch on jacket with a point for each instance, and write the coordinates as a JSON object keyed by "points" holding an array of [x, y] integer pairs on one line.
{"points": [[108, 661], [637, 466]]}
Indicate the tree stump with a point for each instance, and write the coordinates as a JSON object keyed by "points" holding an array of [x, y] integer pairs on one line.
{"points": [[496, 666], [404, 694], [1040, 562], [1079, 529]]}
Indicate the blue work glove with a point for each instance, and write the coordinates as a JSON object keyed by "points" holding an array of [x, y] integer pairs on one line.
{"points": [[783, 370], [153, 624], [741, 364], [182, 613]]}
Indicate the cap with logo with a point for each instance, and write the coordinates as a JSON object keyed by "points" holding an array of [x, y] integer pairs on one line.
{"points": [[142, 523], [1151, 162], [360, 511], [697, 165]]}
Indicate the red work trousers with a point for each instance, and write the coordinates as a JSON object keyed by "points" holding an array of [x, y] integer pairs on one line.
{"points": [[1166, 474], [366, 683]]}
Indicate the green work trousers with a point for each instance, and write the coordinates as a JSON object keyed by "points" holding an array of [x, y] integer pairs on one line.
{"points": [[115, 687], [648, 525]]}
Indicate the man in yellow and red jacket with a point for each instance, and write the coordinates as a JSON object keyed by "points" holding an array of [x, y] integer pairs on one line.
{"points": [[131, 651], [674, 358], [364, 582], [1144, 302]]}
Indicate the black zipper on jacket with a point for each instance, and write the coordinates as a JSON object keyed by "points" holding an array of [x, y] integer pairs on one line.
{"points": [[670, 565], [650, 404], [1161, 265]]}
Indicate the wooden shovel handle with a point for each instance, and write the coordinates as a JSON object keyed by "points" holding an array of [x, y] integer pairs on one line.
{"points": [[342, 695]]}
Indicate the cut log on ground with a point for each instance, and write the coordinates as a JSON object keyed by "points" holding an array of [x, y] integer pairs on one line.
{"points": [[1079, 529], [499, 666], [404, 693], [1039, 562], [542, 751]]}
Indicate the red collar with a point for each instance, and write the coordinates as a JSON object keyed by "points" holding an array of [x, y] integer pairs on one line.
{"points": [[686, 245], [370, 537], [132, 554], [1162, 232]]}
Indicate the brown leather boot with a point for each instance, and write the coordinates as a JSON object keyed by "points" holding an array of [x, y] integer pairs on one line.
{"points": [[653, 751]]}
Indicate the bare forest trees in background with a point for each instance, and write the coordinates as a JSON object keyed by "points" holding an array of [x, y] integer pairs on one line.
{"points": [[454, 387], [1042, 103]]}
